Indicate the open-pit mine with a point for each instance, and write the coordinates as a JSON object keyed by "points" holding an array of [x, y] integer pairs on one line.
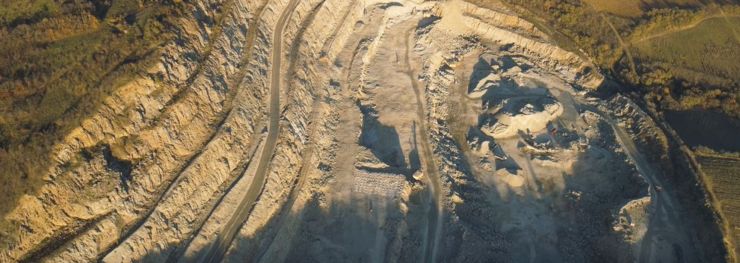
{"points": [[364, 131]]}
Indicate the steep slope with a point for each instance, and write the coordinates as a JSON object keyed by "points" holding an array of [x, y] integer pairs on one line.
{"points": [[367, 130]]}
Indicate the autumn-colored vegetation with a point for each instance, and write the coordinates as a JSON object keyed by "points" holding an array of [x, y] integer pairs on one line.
{"points": [[58, 60]]}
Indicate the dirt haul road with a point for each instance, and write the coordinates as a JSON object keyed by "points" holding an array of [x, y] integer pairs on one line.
{"points": [[667, 221], [223, 241], [434, 227]]}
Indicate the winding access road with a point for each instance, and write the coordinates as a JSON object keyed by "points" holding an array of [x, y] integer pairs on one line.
{"points": [[665, 220], [224, 239]]}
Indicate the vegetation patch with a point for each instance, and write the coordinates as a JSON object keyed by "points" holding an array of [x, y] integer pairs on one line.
{"points": [[57, 64], [17, 12], [644, 44], [637, 8], [722, 179], [712, 48]]}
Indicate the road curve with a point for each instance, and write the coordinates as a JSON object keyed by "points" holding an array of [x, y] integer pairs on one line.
{"points": [[229, 231]]}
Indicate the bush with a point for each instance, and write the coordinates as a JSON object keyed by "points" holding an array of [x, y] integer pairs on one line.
{"points": [[16, 12]]}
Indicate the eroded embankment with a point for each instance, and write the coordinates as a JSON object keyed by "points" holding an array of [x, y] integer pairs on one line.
{"points": [[149, 123], [330, 130]]}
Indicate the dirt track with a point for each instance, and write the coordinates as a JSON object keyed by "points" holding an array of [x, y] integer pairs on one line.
{"points": [[434, 227], [224, 239], [665, 221]]}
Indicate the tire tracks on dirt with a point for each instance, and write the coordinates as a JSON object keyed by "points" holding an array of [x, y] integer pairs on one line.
{"points": [[622, 43], [434, 225]]}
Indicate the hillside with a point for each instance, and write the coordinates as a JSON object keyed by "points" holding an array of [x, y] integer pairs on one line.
{"points": [[368, 130]]}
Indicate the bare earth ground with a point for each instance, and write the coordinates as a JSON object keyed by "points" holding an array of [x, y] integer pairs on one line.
{"points": [[391, 131]]}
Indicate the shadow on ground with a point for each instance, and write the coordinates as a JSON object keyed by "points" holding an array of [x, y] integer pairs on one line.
{"points": [[562, 218], [382, 140], [485, 227]]}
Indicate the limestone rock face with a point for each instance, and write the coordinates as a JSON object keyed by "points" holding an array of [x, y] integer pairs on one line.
{"points": [[346, 131]]}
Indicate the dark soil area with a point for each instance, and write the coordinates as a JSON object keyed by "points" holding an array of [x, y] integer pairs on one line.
{"points": [[715, 130]]}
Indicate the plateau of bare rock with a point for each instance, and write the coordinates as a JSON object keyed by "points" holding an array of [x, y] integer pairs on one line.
{"points": [[362, 131]]}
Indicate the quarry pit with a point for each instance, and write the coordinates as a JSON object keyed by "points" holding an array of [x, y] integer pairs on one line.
{"points": [[361, 131]]}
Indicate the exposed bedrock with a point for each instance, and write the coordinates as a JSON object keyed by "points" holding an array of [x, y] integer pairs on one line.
{"points": [[354, 130]]}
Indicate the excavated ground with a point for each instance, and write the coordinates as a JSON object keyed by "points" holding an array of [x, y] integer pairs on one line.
{"points": [[360, 131]]}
